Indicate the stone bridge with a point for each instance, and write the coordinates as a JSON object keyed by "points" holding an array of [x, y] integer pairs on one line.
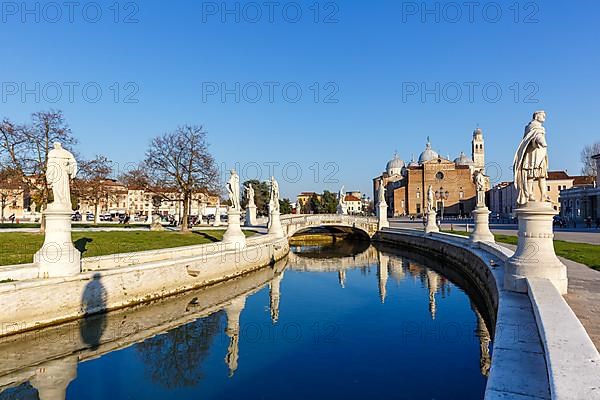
{"points": [[293, 224]]}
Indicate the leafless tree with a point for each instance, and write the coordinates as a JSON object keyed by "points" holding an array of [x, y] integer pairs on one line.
{"points": [[589, 165], [91, 184], [11, 187], [181, 159], [25, 148]]}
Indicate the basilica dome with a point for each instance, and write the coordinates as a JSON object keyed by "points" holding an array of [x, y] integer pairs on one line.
{"points": [[428, 154], [394, 166], [463, 160]]}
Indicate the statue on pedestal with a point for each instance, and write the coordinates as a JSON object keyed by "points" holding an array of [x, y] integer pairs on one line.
{"points": [[531, 161], [61, 168], [342, 207]]}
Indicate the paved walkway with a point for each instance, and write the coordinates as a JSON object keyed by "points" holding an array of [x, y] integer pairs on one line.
{"points": [[583, 296], [591, 236]]}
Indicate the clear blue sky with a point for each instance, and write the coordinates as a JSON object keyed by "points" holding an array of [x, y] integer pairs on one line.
{"points": [[369, 61]]}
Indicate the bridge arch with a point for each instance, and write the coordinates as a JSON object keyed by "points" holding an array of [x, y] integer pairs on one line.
{"points": [[293, 224]]}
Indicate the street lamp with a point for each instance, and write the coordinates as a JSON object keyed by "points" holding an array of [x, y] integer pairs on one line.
{"points": [[442, 195]]}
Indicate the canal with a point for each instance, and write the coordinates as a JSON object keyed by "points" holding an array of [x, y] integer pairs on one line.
{"points": [[341, 319]]}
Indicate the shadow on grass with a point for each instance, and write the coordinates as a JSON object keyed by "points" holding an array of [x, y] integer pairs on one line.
{"points": [[208, 236], [81, 244]]}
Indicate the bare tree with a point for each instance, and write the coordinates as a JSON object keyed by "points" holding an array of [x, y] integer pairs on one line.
{"points": [[181, 159], [589, 165], [137, 177], [92, 185], [11, 187], [25, 148]]}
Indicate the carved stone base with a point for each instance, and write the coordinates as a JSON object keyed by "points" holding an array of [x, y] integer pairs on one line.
{"points": [[234, 233], [251, 216], [535, 256], [275, 227], [58, 257], [382, 216], [156, 226], [482, 232], [431, 225]]}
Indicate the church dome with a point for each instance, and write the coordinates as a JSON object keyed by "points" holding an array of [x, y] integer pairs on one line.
{"points": [[394, 166], [413, 162], [428, 154], [463, 160]]}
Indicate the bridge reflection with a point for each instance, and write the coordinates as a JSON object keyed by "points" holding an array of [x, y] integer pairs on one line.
{"points": [[173, 336]]}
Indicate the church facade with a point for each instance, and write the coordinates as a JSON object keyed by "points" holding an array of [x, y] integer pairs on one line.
{"points": [[452, 181]]}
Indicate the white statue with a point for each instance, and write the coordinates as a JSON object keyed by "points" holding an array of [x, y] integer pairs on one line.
{"points": [[430, 200], [531, 161], [381, 192], [233, 188], [250, 195], [61, 168], [342, 197], [274, 199], [480, 183]]}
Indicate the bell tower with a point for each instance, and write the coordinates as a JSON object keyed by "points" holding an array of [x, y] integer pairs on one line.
{"points": [[478, 149]]}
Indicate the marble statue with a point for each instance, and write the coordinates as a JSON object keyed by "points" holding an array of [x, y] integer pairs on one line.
{"points": [[381, 192], [250, 195], [430, 200], [342, 197], [480, 182], [61, 168], [233, 188], [531, 161], [274, 198]]}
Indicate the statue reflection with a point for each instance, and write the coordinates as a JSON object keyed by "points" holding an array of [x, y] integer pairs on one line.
{"points": [[274, 294], [432, 282], [233, 310], [485, 360], [52, 379], [342, 278], [382, 273]]}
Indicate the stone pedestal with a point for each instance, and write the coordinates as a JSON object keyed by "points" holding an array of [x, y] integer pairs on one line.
{"points": [[251, 215], [431, 225], [234, 233], [482, 232], [58, 257], [52, 379], [382, 215], [342, 209], [156, 226], [535, 257], [275, 227]]}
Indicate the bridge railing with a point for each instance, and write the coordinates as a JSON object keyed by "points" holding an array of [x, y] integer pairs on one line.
{"points": [[315, 219]]}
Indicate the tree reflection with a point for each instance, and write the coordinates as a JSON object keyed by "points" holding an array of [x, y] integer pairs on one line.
{"points": [[174, 359], [22, 392]]}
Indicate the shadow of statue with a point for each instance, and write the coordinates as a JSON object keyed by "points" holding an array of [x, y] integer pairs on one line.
{"points": [[93, 305], [81, 244], [208, 236]]}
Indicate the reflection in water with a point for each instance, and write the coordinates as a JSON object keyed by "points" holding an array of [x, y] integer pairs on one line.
{"points": [[233, 310], [174, 340], [174, 359]]}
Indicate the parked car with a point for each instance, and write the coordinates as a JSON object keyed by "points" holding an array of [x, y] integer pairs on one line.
{"points": [[89, 217], [76, 216], [559, 221]]}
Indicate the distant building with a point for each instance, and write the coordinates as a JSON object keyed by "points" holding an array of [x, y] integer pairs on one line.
{"points": [[503, 196], [582, 202], [354, 204], [452, 181], [303, 198]]}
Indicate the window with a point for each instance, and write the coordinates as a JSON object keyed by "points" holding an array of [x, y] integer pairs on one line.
{"points": [[418, 194], [439, 176], [461, 194], [549, 189]]}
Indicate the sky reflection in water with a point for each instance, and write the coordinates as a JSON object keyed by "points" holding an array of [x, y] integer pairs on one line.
{"points": [[332, 325]]}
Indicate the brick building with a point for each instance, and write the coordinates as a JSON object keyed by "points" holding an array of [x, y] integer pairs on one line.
{"points": [[451, 180]]}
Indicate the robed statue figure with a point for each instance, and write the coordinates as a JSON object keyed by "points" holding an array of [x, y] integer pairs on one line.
{"points": [[61, 168], [531, 161]]}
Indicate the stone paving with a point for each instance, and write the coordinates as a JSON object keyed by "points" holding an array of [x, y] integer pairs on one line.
{"points": [[583, 296]]}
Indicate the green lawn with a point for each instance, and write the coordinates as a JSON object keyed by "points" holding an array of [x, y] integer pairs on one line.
{"points": [[583, 253], [18, 248], [75, 225]]}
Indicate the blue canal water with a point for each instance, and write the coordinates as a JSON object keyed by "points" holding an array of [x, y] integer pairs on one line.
{"points": [[362, 325]]}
